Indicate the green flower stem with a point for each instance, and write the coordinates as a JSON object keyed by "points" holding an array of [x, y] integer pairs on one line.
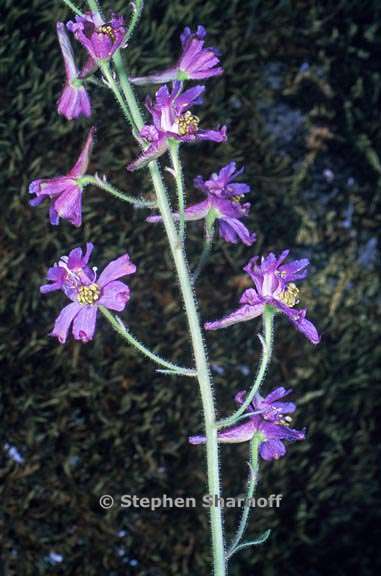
{"points": [[96, 181], [129, 95], [268, 323], [174, 152], [73, 7], [106, 71], [118, 325], [137, 11], [254, 448], [203, 373], [208, 242]]}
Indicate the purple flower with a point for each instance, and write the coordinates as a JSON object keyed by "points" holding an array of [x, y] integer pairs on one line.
{"points": [[222, 204], [268, 418], [73, 276], [274, 286], [172, 119], [101, 39], [74, 100], [195, 62], [64, 191]]}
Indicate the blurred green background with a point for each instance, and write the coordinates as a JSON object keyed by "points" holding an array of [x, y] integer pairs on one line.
{"points": [[301, 97]]}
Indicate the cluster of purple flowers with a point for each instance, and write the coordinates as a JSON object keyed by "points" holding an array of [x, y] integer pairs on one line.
{"points": [[172, 119], [80, 284], [269, 419]]}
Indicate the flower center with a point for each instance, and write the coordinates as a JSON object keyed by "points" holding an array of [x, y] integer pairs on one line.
{"points": [[285, 421], [108, 30], [187, 123], [290, 296], [236, 199], [88, 294]]}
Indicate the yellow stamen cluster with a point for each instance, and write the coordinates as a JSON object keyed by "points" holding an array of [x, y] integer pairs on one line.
{"points": [[236, 199], [285, 421], [108, 30], [187, 123], [88, 294], [290, 296]]}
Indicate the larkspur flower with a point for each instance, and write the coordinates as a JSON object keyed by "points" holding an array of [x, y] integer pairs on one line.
{"points": [[195, 62], [101, 39], [64, 191], [268, 418], [222, 204], [74, 100], [172, 118], [274, 286], [80, 284]]}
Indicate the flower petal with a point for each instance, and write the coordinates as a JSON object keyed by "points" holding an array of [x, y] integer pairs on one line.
{"points": [[272, 449], [80, 166], [64, 320], [84, 323], [122, 266], [233, 230], [115, 296], [68, 205], [243, 314]]}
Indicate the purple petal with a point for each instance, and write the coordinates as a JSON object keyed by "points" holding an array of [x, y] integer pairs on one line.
{"points": [[56, 275], [250, 296], [80, 166], [272, 450], [232, 230], [68, 205], [67, 52], [213, 135], [189, 97], [84, 323], [243, 314], [74, 102], [77, 261], [64, 320], [239, 433], [197, 440], [295, 270], [115, 296], [122, 266], [278, 393], [274, 431]]}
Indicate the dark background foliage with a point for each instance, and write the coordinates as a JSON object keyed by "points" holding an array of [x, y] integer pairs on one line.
{"points": [[301, 96]]}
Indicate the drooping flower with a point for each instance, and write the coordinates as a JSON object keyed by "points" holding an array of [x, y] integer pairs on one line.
{"points": [[74, 100], [73, 276], [222, 204], [269, 419], [64, 191], [274, 286], [172, 118], [195, 62], [101, 39]]}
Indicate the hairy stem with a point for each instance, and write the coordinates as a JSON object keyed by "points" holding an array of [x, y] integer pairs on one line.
{"points": [[202, 367], [268, 322], [137, 11], [118, 325], [203, 373], [254, 447], [104, 185], [106, 71], [208, 242], [174, 152]]}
